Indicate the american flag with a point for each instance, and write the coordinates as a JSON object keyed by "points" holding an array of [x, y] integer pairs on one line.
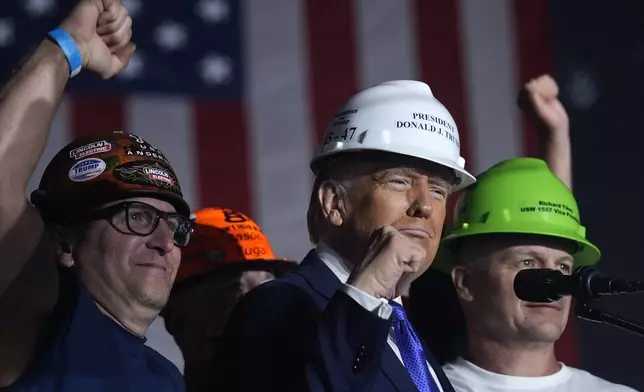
{"points": [[237, 93]]}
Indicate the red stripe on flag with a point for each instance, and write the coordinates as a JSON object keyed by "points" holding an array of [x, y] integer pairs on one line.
{"points": [[92, 114], [441, 64], [222, 159], [332, 58], [534, 50]]}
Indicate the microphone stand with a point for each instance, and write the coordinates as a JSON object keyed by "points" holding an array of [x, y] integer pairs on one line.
{"points": [[585, 312]]}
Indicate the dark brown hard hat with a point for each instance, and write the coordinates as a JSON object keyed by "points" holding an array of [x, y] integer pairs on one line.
{"points": [[103, 168]]}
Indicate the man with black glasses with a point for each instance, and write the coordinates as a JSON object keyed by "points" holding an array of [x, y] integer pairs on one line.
{"points": [[85, 272]]}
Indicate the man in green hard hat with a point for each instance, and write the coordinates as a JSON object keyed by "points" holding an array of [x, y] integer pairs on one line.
{"points": [[518, 215]]}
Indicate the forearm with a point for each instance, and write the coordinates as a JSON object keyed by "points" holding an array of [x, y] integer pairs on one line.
{"points": [[27, 106], [558, 154]]}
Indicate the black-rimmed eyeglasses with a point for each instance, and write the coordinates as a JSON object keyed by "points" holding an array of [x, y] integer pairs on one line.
{"points": [[133, 217]]}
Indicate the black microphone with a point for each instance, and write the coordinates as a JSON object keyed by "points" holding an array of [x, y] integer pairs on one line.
{"points": [[585, 283]]}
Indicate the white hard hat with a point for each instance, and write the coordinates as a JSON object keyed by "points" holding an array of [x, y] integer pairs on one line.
{"points": [[401, 117]]}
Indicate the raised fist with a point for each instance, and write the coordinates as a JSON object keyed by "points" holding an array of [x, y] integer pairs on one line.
{"points": [[102, 30], [390, 265], [539, 98]]}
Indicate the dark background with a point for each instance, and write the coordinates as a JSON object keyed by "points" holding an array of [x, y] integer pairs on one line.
{"points": [[600, 46]]}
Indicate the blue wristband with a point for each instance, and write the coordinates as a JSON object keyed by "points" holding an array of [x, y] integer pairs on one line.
{"points": [[69, 48]]}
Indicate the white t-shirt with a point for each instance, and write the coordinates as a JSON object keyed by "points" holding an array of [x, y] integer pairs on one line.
{"points": [[467, 377]]}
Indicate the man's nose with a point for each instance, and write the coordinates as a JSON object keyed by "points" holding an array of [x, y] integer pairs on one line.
{"points": [[421, 206], [161, 239]]}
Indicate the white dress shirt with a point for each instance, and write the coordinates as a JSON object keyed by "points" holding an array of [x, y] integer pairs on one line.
{"points": [[342, 269]]}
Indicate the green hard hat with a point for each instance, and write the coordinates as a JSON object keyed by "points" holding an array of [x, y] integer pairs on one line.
{"points": [[518, 196]]}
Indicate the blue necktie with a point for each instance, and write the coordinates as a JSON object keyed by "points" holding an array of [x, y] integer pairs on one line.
{"points": [[411, 351]]}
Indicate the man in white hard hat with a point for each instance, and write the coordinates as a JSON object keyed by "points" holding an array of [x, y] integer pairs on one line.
{"points": [[389, 161]]}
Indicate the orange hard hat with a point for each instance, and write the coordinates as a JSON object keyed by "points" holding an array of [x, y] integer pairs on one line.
{"points": [[224, 237]]}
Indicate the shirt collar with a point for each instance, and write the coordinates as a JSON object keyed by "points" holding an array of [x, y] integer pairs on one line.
{"points": [[340, 267]]}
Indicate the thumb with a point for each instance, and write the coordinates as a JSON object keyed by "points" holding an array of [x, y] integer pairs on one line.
{"points": [[121, 58]]}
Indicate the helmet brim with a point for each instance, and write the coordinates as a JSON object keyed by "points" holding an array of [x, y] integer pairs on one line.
{"points": [[585, 254]]}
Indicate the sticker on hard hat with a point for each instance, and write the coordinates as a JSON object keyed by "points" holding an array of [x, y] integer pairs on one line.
{"points": [[340, 135], [147, 173], [87, 169], [551, 207], [159, 175], [430, 123], [90, 149]]}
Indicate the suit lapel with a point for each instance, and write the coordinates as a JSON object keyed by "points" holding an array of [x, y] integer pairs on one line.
{"points": [[319, 276], [324, 281]]}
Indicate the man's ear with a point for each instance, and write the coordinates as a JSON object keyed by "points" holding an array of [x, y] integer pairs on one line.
{"points": [[331, 195], [462, 283], [63, 241]]}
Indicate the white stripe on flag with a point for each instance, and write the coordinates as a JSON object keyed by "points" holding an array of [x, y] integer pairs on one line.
{"points": [[385, 40], [491, 72], [167, 124], [59, 136], [278, 114]]}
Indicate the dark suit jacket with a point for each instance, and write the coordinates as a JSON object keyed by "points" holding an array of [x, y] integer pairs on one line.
{"points": [[301, 333]]}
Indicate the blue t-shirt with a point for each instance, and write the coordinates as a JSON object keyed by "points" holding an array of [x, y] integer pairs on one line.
{"points": [[92, 353]]}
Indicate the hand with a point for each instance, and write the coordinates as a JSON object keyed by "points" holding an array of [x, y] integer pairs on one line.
{"points": [[102, 30], [539, 100], [390, 265]]}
